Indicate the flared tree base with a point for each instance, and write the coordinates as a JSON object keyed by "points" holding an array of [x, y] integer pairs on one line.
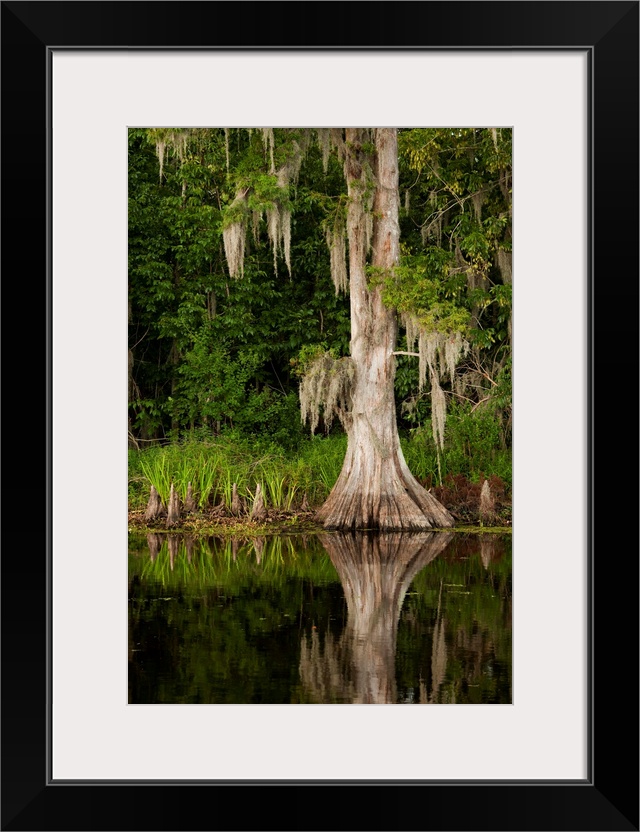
{"points": [[387, 497]]}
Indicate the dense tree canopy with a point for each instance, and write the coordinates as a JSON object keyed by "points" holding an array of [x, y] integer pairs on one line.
{"points": [[240, 257]]}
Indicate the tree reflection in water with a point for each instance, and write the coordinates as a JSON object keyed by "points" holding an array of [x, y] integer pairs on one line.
{"points": [[375, 570], [418, 618]]}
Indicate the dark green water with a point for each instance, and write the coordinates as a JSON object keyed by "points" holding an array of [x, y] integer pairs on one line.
{"points": [[364, 618]]}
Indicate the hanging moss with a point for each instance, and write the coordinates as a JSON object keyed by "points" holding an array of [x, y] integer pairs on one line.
{"points": [[169, 140], [268, 140], [477, 200], [438, 355], [226, 149], [234, 234], [438, 411], [324, 142], [335, 236], [234, 237], [326, 389]]}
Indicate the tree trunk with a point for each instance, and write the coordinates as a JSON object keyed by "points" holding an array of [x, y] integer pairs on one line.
{"points": [[375, 489], [376, 571]]}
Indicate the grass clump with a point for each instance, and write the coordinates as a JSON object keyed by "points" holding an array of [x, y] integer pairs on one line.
{"points": [[214, 467], [473, 448], [290, 481]]}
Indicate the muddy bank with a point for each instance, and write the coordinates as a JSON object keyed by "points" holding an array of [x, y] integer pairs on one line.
{"points": [[220, 521], [223, 524]]}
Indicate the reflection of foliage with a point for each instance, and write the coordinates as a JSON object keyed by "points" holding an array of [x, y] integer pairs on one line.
{"points": [[471, 588], [230, 563], [222, 627], [216, 620]]}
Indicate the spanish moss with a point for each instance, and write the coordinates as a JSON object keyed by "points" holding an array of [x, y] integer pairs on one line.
{"points": [[268, 141], [438, 355], [336, 242], [326, 388], [235, 235]]}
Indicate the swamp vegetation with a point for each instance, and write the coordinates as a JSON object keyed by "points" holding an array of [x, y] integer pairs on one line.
{"points": [[319, 411], [320, 320]]}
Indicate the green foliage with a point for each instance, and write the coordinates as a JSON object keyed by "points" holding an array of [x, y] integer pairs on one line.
{"points": [[455, 272], [325, 456], [213, 466], [308, 355], [474, 447], [213, 357], [210, 354], [425, 287]]}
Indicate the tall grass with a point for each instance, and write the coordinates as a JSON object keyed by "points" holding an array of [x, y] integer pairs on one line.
{"points": [[472, 448], [156, 470], [325, 457], [213, 468]]}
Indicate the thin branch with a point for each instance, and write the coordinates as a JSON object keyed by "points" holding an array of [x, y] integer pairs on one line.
{"points": [[448, 187], [434, 215], [458, 396], [486, 399], [140, 340], [488, 378], [279, 382]]}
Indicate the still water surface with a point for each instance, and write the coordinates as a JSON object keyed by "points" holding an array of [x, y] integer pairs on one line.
{"points": [[367, 618]]}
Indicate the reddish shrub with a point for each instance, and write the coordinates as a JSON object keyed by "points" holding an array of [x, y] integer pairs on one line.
{"points": [[462, 497]]}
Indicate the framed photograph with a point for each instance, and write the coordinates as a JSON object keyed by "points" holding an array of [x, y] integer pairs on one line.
{"points": [[561, 752]]}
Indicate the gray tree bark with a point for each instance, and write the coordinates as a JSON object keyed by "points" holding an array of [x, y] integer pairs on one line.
{"points": [[375, 489], [154, 509], [173, 509]]}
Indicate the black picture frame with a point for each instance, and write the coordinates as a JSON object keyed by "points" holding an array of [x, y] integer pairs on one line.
{"points": [[608, 799]]}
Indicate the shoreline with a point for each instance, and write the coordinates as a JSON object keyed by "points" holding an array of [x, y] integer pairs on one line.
{"points": [[276, 522]]}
